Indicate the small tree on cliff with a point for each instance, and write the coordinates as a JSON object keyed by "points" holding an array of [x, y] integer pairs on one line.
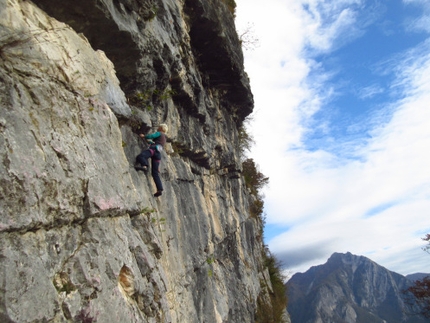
{"points": [[247, 38]]}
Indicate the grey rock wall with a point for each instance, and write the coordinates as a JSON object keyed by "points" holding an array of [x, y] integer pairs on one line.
{"points": [[82, 239]]}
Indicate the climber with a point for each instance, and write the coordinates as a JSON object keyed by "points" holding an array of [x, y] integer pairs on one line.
{"points": [[156, 141]]}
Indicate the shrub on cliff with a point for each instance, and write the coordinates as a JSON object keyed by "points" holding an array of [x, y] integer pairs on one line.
{"points": [[271, 303], [254, 179], [274, 311], [231, 5], [245, 142]]}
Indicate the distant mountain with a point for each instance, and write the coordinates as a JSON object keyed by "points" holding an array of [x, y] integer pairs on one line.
{"points": [[349, 289], [417, 276]]}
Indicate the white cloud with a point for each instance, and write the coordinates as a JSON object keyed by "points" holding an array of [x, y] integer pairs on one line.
{"points": [[370, 197], [323, 197], [419, 24], [326, 21]]}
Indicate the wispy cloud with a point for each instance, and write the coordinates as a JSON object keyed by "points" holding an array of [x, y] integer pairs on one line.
{"points": [[332, 24], [369, 92], [421, 23]]}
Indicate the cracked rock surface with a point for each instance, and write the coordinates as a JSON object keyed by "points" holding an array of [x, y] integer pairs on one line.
{"points": [[82, 239]]}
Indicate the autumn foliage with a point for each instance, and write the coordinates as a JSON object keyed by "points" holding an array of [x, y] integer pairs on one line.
{"points": [[421, 289]]}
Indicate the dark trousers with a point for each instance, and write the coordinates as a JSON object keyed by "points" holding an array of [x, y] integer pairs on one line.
{"points": [[155, 156]]}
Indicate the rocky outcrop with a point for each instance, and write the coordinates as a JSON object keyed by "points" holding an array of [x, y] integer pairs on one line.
{"points": [[350, 288], [82, 239]]}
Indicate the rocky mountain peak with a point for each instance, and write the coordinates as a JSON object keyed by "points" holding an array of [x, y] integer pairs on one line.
{"points": [[348, 261], [349, 288]]}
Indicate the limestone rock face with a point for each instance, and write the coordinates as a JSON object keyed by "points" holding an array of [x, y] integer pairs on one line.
{"points": [[82, 239]]}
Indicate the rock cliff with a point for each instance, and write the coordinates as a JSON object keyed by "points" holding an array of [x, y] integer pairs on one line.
{"points": [[350, 288], [82, 239]]}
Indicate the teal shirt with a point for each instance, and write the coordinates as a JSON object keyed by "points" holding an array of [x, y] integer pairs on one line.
{"points": [[153, 135], [159, 140]]}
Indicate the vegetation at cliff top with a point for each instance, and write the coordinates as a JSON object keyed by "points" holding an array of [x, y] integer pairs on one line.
{"points": [[272, 311]]}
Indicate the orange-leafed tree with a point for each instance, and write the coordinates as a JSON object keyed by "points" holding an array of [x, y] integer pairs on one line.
{"points": [[421, 288]]}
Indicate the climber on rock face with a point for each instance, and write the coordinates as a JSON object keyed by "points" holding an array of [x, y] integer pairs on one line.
{"points": [[156, 141]]}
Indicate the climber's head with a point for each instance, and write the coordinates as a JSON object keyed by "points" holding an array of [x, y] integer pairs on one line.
{"points": [[163, 127]]}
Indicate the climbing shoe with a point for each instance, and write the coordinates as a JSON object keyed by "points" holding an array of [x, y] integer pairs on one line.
{"points": [[158, 193], [142, 168]]}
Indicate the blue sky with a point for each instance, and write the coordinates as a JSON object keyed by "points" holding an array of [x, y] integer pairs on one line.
{"points": [[342, 127]]}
